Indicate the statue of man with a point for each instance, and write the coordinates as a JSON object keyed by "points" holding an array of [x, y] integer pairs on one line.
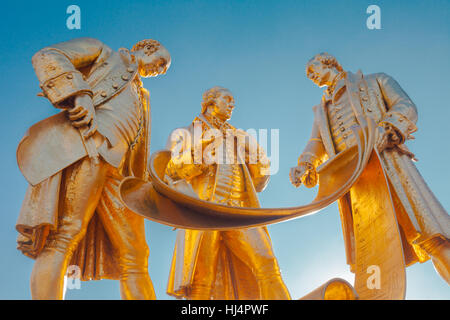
{"points": [[74, 215], [423, 224], [238, 264]]}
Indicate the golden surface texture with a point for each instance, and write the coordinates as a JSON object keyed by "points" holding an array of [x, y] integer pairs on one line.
{"points": [[75, 161], [236, 264], [159, 202], [390, 216], [396, 212], [334, 289], [357, 155]]}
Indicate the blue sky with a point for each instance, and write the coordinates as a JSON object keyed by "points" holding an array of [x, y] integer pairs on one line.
{"points": [[257, 49]]}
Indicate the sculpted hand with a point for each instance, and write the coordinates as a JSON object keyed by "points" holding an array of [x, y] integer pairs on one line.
{"points": [[388, 138], [83, 115], [304, 173], [189, 171]]}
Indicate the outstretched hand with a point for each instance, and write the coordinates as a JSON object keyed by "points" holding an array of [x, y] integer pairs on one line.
{"points": [[304, 173], [388, 138]]}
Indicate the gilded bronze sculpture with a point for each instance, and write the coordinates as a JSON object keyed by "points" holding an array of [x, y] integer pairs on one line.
{"points": [[75, 161], [88, 173], [235, 264], [357, 156], [390, 218]]}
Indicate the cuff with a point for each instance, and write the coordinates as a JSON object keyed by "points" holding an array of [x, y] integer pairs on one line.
{"points": [[259, 170], [64, 86], [307, 157], [401, 124]]}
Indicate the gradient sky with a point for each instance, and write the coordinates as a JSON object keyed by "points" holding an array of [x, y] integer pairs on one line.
{"points": [[257, 49]]}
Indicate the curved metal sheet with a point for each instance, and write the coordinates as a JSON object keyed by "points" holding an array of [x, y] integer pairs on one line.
{"points": [[159, 202], [48, 147]]}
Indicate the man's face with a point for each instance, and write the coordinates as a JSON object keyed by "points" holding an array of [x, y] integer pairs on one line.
{"points": [[155, 64], [318, 73], [224, 105]]}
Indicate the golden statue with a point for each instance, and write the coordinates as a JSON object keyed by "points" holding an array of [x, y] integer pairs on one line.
{"points": [[357, 156], [390, 218], [235, 264], [75, 161]]}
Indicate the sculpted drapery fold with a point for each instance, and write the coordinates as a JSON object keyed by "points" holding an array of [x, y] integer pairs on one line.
{"points": [[233, 277], [419, 213], [64, 71]]}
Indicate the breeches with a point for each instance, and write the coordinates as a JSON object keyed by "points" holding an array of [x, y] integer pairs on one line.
{"points": [[251, 246], [89, 189]]}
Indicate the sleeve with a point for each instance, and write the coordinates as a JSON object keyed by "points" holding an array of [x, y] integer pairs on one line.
{"points": [[260, 171], [58, 68], [314, 152], [401, 111]]}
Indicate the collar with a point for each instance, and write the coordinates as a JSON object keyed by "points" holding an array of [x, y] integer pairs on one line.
{"points": [[339, 89], [336, 91], [216, 123], [213, 122]]}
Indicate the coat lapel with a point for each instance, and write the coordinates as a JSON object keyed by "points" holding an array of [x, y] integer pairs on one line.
{"points": [[321, 119]]}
